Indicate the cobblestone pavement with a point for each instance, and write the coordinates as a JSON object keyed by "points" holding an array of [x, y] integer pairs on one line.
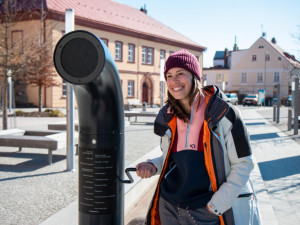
{"points": [[31, 190]]}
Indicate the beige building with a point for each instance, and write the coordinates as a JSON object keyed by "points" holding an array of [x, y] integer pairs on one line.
{"points": [[219, 74], [262, 66], [136, 41]]}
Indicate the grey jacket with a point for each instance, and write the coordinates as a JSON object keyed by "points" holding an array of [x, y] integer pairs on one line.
{"points": [[228, 158]]}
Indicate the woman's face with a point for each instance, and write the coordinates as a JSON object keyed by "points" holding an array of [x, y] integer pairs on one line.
{"points": [[179, 83]]}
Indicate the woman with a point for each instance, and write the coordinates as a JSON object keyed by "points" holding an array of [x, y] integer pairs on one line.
{"points": [[206, 155]]}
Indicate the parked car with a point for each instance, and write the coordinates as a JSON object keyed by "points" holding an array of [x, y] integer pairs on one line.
{"points": [[251, 99], [232, 98]]}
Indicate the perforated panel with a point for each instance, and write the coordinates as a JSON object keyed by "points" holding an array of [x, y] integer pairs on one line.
{"points": [[79, 57]]}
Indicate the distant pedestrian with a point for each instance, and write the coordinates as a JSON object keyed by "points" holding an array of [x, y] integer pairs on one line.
{"points": [[206, 155]]}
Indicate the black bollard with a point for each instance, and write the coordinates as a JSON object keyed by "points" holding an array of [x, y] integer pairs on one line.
{"points": [[83, 59]]}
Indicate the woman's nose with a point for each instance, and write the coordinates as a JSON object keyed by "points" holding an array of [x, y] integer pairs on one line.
{"points": [[175, 79]]}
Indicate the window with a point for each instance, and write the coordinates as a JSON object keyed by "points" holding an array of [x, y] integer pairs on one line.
{"points": [[219, 78], [276, 77], [147, 55], [244, 78], [105, 41], [64, 88], [119, 46], [150, 55], [259, 78], [253, 57], [162, 54], [131, 48], [130, 88], [267, 57], [279, 58], [261, 46], [144, 55], [170, 53]]}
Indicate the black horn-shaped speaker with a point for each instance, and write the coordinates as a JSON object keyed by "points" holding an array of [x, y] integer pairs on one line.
{"points": [[83, 60]]}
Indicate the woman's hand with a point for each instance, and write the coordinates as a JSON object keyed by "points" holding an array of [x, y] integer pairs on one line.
{"points": [[145, 170]]}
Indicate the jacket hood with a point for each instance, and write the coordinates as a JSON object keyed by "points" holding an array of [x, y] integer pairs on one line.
{"points": [[216, 108]]}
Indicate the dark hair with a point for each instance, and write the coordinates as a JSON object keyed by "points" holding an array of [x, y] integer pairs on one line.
{"points": [[176, 107]]}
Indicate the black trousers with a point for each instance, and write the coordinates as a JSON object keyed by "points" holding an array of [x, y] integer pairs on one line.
{"points": [[174, 215]]}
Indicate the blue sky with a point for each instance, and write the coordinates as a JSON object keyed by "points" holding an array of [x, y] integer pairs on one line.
{"points": [[214, 24]]}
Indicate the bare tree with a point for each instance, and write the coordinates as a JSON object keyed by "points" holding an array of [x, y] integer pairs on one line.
{"points": [[23, 55], [39, 71], [296, 37], [9, 55]]}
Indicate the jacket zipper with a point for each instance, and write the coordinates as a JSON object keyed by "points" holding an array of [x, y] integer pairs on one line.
{"points": [[170, 171]]}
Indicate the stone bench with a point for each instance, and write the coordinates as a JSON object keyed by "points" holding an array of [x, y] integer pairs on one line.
{"points": [[139, 114], [29, 142], [51, 142], [14, 131], [61, 126], [41, 132], [134, 103]]}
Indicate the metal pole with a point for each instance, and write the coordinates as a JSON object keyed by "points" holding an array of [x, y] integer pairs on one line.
{"points": [[162, 82], [274, 113], [9, 90], [278, 103], [69, 26], [289, 119], [296, 106], [265, 80]]}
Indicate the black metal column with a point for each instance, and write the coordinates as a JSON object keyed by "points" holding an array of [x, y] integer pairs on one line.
{"points": [[84, 60]]}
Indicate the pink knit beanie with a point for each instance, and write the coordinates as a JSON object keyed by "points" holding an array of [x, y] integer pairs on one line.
{"points": [[183, 59]]}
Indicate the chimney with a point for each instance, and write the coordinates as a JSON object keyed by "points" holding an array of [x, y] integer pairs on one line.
{"points": [[225, 58], [235, 47], [144, 10], [274, 41]]}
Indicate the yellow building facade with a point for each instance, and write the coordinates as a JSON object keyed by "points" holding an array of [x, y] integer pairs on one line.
{"points": [[137, 50]]}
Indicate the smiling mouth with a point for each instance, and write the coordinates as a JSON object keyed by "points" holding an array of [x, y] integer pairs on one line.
{"points": [[177, 89]]}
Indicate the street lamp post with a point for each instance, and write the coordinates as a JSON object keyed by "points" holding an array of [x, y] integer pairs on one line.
{"points": [[265, 79]]}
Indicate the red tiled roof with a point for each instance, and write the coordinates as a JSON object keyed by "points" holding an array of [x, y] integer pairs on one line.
{"points": [[120, 16], [286, 55]]}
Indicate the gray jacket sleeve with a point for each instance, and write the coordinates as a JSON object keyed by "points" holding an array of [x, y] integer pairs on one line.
{"points": [[240, 162]]}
